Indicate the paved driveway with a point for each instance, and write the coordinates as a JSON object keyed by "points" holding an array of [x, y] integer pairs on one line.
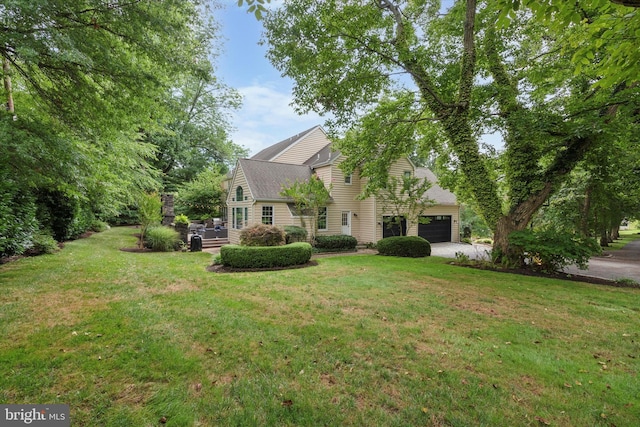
{"points": [[621, 264], [449, 250]]}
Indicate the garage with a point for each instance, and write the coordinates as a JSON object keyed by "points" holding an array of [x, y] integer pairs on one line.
{"points": [[437, 230]]}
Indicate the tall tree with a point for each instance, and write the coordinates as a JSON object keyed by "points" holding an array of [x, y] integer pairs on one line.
{"points": [[392, 71], [82, 80], [196, 134]]}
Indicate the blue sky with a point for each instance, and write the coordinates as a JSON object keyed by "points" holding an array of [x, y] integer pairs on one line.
{"points": [[266, 116]]}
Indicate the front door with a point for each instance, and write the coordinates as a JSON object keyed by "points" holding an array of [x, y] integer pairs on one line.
{"points": [[346, 223]]}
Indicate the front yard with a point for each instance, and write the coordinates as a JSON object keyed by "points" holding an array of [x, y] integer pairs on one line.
{"points": [[132, 339]]}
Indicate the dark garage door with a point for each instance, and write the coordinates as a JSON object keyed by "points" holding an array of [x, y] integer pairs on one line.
{"points": [[438, 229]]}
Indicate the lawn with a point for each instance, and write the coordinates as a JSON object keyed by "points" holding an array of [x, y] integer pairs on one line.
{"points": [[126, 339]]}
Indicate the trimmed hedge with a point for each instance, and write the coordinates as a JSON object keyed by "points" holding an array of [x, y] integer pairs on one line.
{"points": [[337, 242], [404, 246], [237, 256]]}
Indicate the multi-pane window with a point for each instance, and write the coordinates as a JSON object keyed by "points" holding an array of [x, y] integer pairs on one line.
{"points": [[322, 218], [238, 219], [347, 179], [267, 215], [239, 194]]}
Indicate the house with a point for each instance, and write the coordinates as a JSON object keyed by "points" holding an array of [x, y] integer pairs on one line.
{"points": [[255, 184]]}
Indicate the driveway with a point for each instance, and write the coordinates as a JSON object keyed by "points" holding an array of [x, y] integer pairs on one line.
{"points": [[449, 250], [621, 264]]}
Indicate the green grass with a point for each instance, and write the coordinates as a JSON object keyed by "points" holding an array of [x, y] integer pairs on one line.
{"points": [[127, 338]]}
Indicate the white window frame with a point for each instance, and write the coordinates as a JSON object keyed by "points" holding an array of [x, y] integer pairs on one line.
{"points": [[271, 216], [348, 179]]}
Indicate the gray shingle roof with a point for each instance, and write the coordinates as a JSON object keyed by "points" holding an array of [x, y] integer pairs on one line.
{"points": [[273, 150], [265, 179], [323, 157], [436, 193]]}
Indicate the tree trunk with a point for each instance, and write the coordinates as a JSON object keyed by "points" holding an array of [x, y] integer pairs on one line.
{"points": [[604, 238], [6, 72], [586, 207], [615, 232], [517, 219]]}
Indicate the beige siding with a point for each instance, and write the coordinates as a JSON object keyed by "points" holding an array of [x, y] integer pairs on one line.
{"points": [[239, 179], [302, 150]]}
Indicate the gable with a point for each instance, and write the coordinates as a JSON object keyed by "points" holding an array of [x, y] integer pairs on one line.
{"points": [[297, 149], [436, 193]]}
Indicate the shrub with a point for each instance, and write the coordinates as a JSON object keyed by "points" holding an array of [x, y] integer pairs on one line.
{"points": [[181, 219], [552, 250], [404, 246], [293, 234], [162, 239], [43, 244], [262, 235], [338, 242], [99, 226], [18, 220], [265, 256]]}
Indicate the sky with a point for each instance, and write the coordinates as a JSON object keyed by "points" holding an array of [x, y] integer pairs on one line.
{"points": [[266, 116]]}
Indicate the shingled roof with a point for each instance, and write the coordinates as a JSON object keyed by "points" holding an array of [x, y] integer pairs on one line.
{"points": [[265, 179], [273, 150], [323, 157], [436, 193]]}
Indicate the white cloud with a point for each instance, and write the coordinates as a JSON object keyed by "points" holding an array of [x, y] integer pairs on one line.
{"points": [[267, 117]]}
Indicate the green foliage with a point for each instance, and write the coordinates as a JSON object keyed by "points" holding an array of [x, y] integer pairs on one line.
{"points": [[18, 220], [203, 197], [149, 212], [308, 196], [99, 226], [181, 219], [552, 250], [162, 239], [41, 244], [338, 242], [65, 215], [293, 234], [435, 78], [470, 218], [405, 198], [257, 7], [404, 246], [195, 137], [262, 235], [265, 256]]}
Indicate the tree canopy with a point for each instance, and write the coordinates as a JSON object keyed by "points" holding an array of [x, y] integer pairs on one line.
{"points": [[90, 86], [404, 77]]}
